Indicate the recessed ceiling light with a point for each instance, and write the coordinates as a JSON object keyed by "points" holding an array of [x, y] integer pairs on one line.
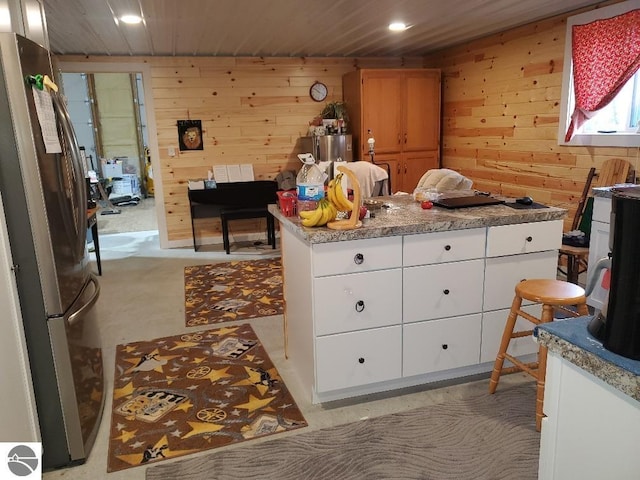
{"points": [[132, 19], [398, 26]]}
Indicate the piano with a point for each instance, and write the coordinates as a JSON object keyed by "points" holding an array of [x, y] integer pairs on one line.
{"points": [[234, 201]]}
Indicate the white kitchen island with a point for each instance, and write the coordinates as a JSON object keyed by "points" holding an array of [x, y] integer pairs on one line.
{"points": [[411, 297], [591, 430]]}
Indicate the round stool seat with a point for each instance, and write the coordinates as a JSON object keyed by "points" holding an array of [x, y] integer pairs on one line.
{"points": [[550, 292]]}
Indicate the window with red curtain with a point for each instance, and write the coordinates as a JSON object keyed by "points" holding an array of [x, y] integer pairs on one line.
{"points": [[605, 54]]}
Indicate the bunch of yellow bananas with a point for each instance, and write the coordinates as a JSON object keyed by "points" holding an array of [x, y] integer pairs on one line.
{"points": [[325, 212], [336, 195]]}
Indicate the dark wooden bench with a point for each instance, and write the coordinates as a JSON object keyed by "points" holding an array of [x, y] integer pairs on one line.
{"points": [[235, 201]]}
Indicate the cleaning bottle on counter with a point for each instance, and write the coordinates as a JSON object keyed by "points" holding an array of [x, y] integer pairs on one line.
{"points": [[309, 183]]}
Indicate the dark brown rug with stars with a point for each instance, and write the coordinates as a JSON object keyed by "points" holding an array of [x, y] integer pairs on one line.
{"points": [[179, 395], [233, 291]]}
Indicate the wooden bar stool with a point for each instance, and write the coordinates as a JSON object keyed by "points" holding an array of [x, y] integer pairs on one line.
{"points": [[552, 294]]}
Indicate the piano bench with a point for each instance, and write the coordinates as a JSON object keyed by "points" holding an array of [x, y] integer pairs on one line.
{"points": [[244, 213]]}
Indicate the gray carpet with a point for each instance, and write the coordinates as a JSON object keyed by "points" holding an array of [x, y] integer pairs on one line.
{"points": [[480, 438]]}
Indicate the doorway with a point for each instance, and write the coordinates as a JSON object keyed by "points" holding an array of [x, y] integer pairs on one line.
{"points": [[108, 113]]}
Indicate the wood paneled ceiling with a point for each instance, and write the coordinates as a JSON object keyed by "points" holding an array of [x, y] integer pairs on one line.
{"points": [[300, 28]]}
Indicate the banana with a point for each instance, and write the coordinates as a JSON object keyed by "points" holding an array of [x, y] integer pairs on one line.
{"points": [[332, 191], [313, 219], [306, 213], [343, 203], [325, 213], [331, 195], [333, 212]]}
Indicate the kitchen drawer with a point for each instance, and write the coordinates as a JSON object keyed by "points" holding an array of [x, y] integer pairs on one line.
{"points": [[502, 274], [524, 238], [442, 290], [355, 256], [442, 344], [439, 247], [601, 210], [357, 301], [358, 358], [492, 327]]}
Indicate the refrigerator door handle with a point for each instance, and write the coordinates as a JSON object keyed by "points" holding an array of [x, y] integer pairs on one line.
{"points": [[78, 314], [76, 163]]}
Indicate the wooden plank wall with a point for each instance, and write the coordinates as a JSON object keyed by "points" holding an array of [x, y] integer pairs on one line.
{"points": [[253, 110], [501, 107]]}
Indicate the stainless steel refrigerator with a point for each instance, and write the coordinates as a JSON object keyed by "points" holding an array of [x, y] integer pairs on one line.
{"points": [[45, 206], [329, 148]]}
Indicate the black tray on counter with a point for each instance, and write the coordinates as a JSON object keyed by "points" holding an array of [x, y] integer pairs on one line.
{"points": [[469, 201]]}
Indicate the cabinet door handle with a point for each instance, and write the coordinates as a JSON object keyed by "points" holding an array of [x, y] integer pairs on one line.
{"points": [[361, 360], [399, 139], [445, 346], [447, 247], [358, 259], [529, 239], [359, 306], [446, 291], [405, 138], [405, 168]]}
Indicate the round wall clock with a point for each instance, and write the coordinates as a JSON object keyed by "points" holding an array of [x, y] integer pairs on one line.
{"points": [[318, 91]]}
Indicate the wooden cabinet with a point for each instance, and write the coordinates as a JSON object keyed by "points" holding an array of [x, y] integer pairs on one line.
{"points": [[401, 109]]}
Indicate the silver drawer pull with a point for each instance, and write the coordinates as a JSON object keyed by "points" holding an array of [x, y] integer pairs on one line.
{"points": [[358, 259], [359, 306]]}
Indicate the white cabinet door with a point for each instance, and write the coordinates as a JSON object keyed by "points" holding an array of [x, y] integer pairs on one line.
{"points": [[358, 301], [355, 256], [442, 290], [440, 247], [493, 324], [592, 429], [598, 248], [358, 358], [444, 344], [601, 210], [503, 273]]}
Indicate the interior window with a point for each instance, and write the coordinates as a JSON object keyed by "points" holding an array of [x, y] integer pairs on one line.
{"points": [[617, 124], [621, 115]]}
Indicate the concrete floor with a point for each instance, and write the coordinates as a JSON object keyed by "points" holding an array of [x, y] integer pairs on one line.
{"points": [[142, 298]]}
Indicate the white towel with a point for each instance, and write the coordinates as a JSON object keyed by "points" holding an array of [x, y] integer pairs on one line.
{"points": [[444, 180], [367, 174]]}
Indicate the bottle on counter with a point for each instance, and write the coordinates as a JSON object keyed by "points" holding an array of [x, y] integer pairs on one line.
{"points": [[309, 183]]}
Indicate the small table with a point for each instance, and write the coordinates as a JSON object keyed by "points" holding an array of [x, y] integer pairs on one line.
{"points": [[92, 223]]}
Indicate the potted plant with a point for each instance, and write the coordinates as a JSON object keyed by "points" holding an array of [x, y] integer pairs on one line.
{"points": [[335, 110], [335, 117]]}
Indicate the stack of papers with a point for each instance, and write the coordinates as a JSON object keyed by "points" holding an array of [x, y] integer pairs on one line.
{"points": [[233, 173]]}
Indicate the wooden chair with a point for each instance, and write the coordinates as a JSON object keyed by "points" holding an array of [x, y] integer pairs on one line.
{"points": [[574, 258], [552, 294]]}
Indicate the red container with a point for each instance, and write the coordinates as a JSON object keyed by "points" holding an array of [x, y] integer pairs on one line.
{"points": [[287, 202]]}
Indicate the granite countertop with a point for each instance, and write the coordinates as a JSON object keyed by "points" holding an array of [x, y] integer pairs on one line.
{"points": [[571, 340], [404, 216], [605, 192]]}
